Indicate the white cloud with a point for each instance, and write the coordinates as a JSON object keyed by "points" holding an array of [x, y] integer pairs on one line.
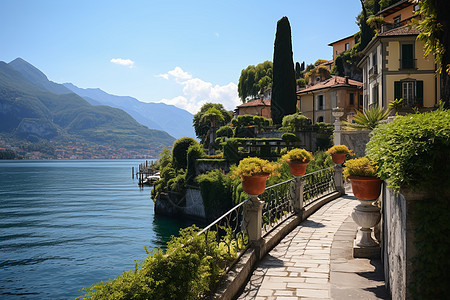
{"points": [[123, 62], [197, 92]]}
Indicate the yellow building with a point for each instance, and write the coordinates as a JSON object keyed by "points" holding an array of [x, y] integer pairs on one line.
{"points": [[394, 66], [317, 101]]}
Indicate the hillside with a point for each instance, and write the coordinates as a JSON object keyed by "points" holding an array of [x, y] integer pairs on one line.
{"points": [[31, 114], [176, 121]]}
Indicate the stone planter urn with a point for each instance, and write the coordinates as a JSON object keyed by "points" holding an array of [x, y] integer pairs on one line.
{"points": [[366, 215]]}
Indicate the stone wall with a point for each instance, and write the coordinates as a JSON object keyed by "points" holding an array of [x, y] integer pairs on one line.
{"points": [[355, 140], [203, 166], [398, 240]]}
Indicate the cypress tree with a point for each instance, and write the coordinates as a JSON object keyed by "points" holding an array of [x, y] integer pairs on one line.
{"points": [[284, 97]]}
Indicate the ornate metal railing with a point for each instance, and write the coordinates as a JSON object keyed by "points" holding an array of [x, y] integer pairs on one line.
{"points": [[230, 230], [318, 184], [277, 204]]}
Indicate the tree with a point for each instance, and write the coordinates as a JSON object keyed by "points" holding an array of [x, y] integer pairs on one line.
{"points": [[284, 97], [202, 126], [434, 28], [254, 80], [367, 32]]}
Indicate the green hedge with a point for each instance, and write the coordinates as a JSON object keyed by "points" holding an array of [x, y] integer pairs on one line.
{"points": [[414, 151]]}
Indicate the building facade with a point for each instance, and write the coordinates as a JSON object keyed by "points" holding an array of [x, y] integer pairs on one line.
{"points": [[394, 66], [317, 101]]}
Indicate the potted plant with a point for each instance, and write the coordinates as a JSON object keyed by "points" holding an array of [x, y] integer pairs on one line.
{"points": [[362, 173], [298, 159], [338, 153], [253, 172]]}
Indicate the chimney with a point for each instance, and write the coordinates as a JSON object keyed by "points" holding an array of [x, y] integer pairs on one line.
{"points": [[346, 79]]}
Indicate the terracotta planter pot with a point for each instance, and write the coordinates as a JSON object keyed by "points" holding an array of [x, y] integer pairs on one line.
{"points": [[338, 158], [254, 185], [297, 168], [366, 188]]}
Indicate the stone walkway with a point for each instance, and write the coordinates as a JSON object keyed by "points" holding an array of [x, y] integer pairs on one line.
{"points": [[301, 265]]}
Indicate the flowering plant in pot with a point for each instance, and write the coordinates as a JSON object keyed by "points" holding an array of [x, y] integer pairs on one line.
{"points": [[362, 173], [298, 159], [253, 172], [338, 153]]}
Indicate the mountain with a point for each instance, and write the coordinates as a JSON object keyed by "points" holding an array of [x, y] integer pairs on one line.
{"points": [[176, 121], [34, 75], [36, 111]]}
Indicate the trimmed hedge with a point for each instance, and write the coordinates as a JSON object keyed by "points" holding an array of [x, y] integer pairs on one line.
{"points": [[414, 151]]}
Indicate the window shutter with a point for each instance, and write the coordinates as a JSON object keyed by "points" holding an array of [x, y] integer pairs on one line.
{"points": [[407, 56], [419, 93], [397, 90]]}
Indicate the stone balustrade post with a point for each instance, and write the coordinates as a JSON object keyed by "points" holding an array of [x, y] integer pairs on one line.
{"points": [[253, 220], [297, 194], [337, 114], [338, 178]]}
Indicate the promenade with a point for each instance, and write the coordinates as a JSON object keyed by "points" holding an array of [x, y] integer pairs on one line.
{"points": [[315, 261]]}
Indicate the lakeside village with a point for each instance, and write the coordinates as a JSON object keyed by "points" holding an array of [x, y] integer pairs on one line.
{"points": [[262, 170]]}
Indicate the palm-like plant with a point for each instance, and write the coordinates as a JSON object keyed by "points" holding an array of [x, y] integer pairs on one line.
{"points": [[213, 115], [367, 119]]}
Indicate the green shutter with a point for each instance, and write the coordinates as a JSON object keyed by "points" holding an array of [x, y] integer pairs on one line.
{"points": [[419, 93], [397, 90], [407, 56]]}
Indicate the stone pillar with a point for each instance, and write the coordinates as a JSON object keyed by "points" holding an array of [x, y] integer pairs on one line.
{"points": [[297, 194], [253, 220], [337, 114], [338, 179]]}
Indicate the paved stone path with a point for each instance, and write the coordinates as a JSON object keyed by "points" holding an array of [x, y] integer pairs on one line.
{"points": [[299, 266]]}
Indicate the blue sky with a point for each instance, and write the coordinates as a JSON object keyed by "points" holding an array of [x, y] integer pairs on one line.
{"points": [[183, 53]]}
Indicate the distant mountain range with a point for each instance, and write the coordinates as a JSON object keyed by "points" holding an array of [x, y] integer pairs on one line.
{"points": [[36, 111], [176, 121]]}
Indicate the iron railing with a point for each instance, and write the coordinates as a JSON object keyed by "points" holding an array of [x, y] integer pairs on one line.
{"points": [[230, 229], [277, 204], [318, 184]]}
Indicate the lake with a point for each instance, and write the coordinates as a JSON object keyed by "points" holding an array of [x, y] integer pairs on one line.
{"points": [[66, 224]]}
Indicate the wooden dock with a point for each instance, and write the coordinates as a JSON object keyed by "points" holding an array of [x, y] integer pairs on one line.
{"points": [[143, 171]]}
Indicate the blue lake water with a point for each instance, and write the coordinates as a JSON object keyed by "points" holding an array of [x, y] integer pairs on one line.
{"points": [[66, 224]]}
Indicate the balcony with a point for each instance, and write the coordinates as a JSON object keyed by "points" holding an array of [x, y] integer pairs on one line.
{"points": [[408, 64]]}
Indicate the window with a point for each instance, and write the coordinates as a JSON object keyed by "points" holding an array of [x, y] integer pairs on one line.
{"points": [[416, 7], [320, 104], [407, 56], [320, 119], [347, 46], [361, 98], [374, 98], [352, 99], [410, 91], [397, 21]]}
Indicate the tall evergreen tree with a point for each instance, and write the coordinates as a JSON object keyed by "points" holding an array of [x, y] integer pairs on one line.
{"points": [[298, 70], [284, 97]]}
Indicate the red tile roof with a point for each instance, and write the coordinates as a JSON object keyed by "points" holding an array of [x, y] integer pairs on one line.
{"points": [[403, 30], [257, 102], [333, 82]]}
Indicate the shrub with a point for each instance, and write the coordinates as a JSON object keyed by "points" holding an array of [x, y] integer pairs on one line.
{"points": [[289, 137], [194, 152], [300, 155], [179, 151], [367, 119], [361, 166], [340, 149], [225, 131], [230, 150], [254, 166], [189, 269], [294, 122], [321, 161], [414, 151], [215, 187]]}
